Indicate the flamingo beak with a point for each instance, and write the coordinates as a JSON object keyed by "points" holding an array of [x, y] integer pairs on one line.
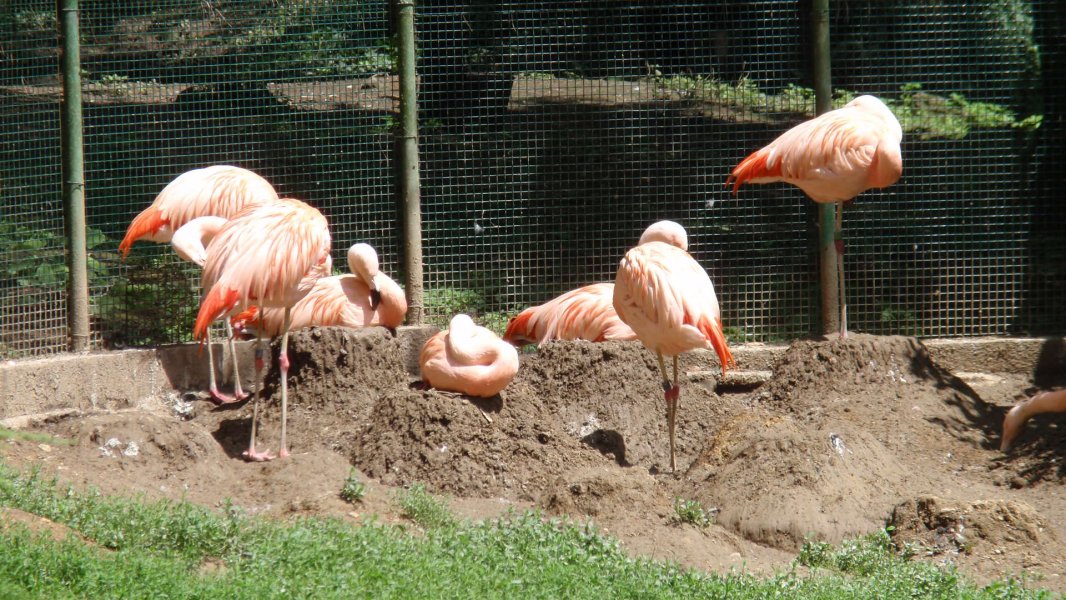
{"points": [[375, 299]]}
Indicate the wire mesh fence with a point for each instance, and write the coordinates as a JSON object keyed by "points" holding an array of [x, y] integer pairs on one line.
{"points": [[552, 133]]}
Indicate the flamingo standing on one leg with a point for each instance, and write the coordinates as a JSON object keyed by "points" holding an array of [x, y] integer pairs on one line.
{"points": [[216, 191], [270, 255], [1026, 409], [833, 158], [668, 299], [586, 313], [364, 298], [468, 359]]}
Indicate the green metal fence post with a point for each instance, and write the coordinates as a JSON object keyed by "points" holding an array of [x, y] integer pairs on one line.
{"points": [[73, 177], [410, 182], [823, 100]]}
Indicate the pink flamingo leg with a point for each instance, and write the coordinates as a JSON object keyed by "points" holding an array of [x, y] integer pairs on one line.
{"points": [[238, 393], [251, 454], [672, 393], [283, 362], [216, 396]]}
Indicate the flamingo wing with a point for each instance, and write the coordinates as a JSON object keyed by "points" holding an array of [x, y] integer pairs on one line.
{"points": [[218, 190]]}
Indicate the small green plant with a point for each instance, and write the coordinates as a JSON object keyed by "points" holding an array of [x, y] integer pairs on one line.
{"points": [[900, 321], [692, 512], [353, 490], [426, 509]]}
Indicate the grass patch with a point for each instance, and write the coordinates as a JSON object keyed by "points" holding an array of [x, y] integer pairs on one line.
{"points": [[425, 509], [160, 549]]}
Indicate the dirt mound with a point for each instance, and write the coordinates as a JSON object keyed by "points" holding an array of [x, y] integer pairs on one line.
{"points": [[833, 440], [1010, 534], [573, 405]]}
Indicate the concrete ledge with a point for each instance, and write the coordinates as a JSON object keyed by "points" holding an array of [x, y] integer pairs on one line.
{"points": [[133, 378]]}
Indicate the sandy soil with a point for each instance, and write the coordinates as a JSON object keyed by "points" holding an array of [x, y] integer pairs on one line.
{"points": [[846, 437]]}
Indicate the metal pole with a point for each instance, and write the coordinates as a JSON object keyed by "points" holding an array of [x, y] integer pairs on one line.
{"points": [[823, 100], [73, 177], [410, 182]]}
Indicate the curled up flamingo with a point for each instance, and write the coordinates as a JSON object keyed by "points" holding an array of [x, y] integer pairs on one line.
{"points": [[832, 158], [270, 255], [468, 359], [668, 299]]}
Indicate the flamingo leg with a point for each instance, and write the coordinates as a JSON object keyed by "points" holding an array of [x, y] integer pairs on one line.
{"points": [[251, 454], [216, 396], [283, 362], [671, 392], [238, 393], [838, 236]]}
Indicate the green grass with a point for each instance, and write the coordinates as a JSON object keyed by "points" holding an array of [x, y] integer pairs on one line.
{"points": [[692, 512], [144, 549], [353, 490]]}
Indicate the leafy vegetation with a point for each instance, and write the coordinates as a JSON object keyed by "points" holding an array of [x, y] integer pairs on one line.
{"points": [[130, 548], [36, 258], [692, 512], [353, 490]]}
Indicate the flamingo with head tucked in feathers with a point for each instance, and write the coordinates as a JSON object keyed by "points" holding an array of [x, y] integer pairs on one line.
{"points": [[215, 191], [272, 256], [586, 313], [668, 299], [468, 359], [364, 298], [832, 158]]}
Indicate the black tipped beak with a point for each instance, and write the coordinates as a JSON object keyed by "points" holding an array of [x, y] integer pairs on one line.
{"points": [[375, 299]]}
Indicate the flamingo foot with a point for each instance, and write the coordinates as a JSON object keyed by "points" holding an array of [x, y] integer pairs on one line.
{"points": [[219, 398], [283, 453], [673, 393], [251, 455]]}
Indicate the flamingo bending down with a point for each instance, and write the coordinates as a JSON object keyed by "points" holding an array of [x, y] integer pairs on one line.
{"points": [[586, 313], [1015, 420], [271, 255], [189, 242], [668, 299], [468, 359], [364, 298], [215, 191], [218, 191], [832, 158]]}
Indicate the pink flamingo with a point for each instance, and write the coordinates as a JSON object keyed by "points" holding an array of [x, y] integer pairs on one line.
{"points": [[1026, 409], [586, 313], [215, 191], [668, 299], [189, 242], [364, 298], [468, 359], [832, 158], [271, 255]]}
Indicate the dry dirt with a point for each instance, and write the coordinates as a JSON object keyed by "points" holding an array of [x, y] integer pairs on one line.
{"points": [[847, 436]]}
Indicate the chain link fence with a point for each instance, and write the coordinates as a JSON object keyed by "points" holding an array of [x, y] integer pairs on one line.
{"points": [[552, 133]]}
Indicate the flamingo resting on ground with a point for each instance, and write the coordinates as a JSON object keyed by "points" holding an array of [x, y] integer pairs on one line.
{"points": [[364, 298], [1015, 420], [586, 313], [833, 158], [468, 359], [215, 191], [272, 256], [190, 242], [668, 299]]}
